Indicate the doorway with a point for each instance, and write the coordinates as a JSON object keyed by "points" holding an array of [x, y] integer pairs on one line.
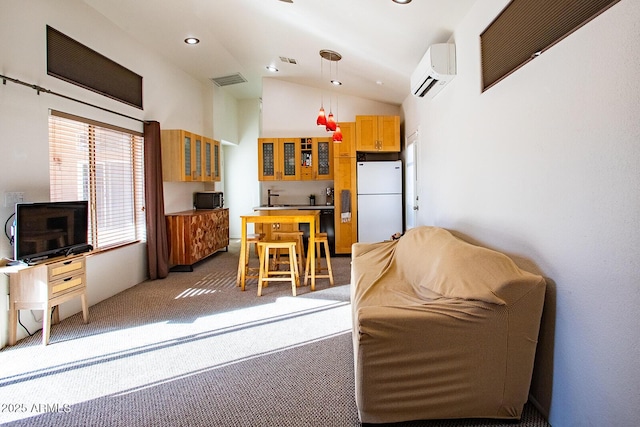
{"points": [[411, 181]]}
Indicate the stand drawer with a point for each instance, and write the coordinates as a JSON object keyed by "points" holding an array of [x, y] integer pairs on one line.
{"points": [[65, 285], [66, 268]]}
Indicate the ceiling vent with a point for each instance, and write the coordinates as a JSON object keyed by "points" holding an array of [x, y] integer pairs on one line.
{"points": [[231, 79], [288, 60]]}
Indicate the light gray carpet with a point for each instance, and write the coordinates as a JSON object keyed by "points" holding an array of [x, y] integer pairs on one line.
{"points": [[193, 350]]}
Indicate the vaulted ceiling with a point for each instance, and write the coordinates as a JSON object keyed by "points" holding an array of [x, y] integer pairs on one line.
{"points": [[380, 41]]}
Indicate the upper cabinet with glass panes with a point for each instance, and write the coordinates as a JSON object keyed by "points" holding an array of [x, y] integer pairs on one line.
{"points": [[295, 159], [189, 157]]}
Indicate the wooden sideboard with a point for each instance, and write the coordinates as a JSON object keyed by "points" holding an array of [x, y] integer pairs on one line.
{"points": [[196, 234]]}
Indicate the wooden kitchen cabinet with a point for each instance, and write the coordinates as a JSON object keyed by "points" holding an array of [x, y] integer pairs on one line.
{"points": [[378, 133], [344, 178], [316, 158], [295, 159], [279, 159], [178, 155], [189, 157], [196, 234]]}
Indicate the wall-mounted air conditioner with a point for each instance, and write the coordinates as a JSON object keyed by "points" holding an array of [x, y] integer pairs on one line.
{"points": [[436, 68]]}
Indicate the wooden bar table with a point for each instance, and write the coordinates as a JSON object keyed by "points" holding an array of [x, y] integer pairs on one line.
{"points": [[294, 216]]}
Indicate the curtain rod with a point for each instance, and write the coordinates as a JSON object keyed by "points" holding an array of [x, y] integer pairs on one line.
{"points": [[39, 89]]}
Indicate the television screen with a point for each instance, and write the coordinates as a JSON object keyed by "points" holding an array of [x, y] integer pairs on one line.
{"points": [[50, 229]]}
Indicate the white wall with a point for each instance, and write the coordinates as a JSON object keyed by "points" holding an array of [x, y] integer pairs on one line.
{"points": [[544, 166], [241, 190], [290, 109], [24, 115]]}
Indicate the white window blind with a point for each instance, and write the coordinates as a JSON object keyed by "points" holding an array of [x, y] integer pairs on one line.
{"points": [[102, 164]]}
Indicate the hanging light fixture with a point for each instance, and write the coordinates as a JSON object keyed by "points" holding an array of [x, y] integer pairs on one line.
{"points": [[331, 122], [328, 121], [322, 119]]}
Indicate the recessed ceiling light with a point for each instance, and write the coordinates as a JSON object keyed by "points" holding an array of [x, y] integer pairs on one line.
{"points": [[191, 40], [336, 82], [272, 68], [402, 1]]}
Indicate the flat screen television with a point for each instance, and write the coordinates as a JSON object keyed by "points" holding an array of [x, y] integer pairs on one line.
{"points": [[44, 230]]}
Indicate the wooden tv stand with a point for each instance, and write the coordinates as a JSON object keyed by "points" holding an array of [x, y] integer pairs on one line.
{"points": [[44, 286]]}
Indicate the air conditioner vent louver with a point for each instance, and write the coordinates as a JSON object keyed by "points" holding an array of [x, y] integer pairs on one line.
{"points": [[231, 79]]}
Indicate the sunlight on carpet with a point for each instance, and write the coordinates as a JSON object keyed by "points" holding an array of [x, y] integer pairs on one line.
{"points": [[130, 359]]}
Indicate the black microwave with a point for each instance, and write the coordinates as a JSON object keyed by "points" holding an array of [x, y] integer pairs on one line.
{"points": [[208, 200]]}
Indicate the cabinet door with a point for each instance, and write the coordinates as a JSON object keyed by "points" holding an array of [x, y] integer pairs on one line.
{"points": [[322, 158], [187, 156], [366, 133], [207, 156], [346, 148], [210, 160], [346, 233], [217, 154], [267, 149], [196, 160], [389, 133], [288, 159]]}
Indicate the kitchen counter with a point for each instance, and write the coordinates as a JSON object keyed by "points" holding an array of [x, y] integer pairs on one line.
{"points": [[282, 207]]}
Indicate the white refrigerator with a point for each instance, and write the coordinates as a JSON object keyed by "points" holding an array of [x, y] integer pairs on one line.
{"points": [[379, 200]]}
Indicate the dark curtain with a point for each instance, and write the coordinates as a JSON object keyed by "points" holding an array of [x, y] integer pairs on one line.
{"points": [[157, 242]]}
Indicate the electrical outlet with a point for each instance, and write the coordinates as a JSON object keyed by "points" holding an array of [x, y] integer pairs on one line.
{"points": [[13, 197]]}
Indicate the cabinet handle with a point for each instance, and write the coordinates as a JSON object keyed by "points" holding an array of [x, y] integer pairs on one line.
{"points": [[67, 262], [67, 279]]}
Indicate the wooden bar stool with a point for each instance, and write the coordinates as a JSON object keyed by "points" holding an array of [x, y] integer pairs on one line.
{"points": [[320, 238], [266, 275], [291, 235], [250, 272]]}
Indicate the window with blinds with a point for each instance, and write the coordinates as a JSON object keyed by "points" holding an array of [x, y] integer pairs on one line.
{"points": [[102, 164], [526, 28]]}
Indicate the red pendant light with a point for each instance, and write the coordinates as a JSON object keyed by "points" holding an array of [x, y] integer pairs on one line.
{"points": [[337, 135], [322, 119], [331, 123]]}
